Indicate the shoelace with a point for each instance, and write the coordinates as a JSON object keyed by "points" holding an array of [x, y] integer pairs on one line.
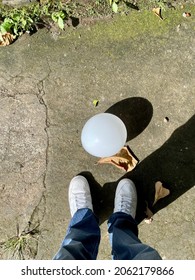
{"points": [[82, 200], [125, 203]]}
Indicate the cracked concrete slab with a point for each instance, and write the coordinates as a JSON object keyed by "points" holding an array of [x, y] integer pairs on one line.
{"points": [[22, 154], [47, 90]]}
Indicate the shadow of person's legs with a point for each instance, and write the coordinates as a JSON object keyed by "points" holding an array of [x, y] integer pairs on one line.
{"points": [[173, 163]]}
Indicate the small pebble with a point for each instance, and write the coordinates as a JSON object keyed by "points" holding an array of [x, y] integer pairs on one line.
{"points": [[186, 14], [166, 119]]}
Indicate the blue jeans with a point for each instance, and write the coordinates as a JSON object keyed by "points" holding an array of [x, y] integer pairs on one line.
{"points": [[83, 237]]}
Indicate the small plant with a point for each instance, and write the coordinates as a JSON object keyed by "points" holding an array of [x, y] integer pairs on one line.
{"points": [[114, 5], [59, 17], [16, 21], [19, 245]]}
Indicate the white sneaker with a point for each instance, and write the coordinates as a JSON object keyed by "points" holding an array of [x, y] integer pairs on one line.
{"points": [[126, 197], [79, 194]]}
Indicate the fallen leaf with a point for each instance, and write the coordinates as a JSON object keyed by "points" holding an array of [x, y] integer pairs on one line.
{"points": [[160, 191], [157, 12], [6, 39], [95, 102], [124, 159]]}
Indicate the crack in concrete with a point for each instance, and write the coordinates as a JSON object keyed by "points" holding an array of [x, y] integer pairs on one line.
{"points": [[30, 248], [40, 96], [35, 219], [38, 213]]}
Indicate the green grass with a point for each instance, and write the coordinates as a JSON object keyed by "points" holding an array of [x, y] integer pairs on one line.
{"points": [[17, 247]]}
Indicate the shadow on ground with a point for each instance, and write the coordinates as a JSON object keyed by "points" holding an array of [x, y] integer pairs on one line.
{"points": [[135, 112], [172, 164]]}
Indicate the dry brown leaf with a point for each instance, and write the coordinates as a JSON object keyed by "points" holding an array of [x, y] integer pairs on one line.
{"points": [[160, 191], [7, 39], [124, 159], [157, 12]]}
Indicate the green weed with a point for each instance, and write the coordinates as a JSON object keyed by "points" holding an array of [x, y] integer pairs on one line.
{"points": [[29, 18], [20, 245]]}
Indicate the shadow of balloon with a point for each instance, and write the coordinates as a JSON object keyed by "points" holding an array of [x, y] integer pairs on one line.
{"points": [[135, 112], [173, 164]]}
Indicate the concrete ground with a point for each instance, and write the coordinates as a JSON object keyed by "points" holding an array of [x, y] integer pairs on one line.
{"points": [[139, 68]]}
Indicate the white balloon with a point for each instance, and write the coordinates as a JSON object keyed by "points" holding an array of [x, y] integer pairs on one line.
{"points": [[103, 135]]}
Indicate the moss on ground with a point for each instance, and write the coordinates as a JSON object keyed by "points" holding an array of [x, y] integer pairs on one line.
{"points": [[137, 24]]}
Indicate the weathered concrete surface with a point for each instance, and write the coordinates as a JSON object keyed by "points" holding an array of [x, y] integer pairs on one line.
{"points": [[143, 73]]}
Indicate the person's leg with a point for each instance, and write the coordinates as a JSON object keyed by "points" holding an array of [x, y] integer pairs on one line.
{"points": [[83, 235], [122, 227]]}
